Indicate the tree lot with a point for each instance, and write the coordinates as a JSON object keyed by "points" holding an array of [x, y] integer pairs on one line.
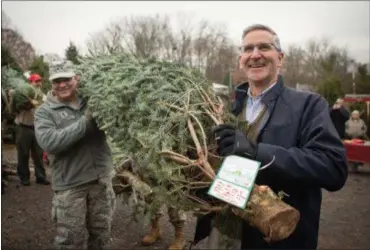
{"points": [[318, 64]]}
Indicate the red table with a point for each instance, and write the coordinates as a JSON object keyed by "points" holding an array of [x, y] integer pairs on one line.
{"points": [[358, 153]]}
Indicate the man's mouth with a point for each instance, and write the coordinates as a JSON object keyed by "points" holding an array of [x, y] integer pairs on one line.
{"points": [[256, 65]]}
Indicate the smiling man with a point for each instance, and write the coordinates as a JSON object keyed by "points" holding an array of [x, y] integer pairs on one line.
{"points": [[81, 163], [293, 129]]}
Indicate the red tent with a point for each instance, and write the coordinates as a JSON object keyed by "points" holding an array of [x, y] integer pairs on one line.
{"points": [[356, 98]]}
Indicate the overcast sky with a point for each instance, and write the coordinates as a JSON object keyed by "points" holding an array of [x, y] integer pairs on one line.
{"points": [[49, 26]]}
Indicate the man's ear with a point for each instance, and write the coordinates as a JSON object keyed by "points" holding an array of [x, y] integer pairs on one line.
{"points": [[281, 59], [75, 79]]}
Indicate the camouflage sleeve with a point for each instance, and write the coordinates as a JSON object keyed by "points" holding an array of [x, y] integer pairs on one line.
{"points": [[54, 140]]}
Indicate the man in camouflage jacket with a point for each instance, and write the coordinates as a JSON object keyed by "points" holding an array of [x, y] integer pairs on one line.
{"points": [[81, 164]]}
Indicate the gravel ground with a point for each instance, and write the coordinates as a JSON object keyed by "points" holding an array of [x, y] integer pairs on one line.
{"points": [[26, 222]]}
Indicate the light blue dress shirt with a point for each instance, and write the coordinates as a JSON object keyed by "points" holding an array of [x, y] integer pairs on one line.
{"points": [[254, 104]]}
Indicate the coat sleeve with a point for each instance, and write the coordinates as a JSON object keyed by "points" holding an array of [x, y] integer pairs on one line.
{"points": [[54, 140], [345, 113], [320, 157], [346, 125]]}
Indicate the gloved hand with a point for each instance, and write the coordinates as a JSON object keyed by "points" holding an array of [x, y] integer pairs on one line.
{"points": [[92, 126], [88, 114], [232, 141]]}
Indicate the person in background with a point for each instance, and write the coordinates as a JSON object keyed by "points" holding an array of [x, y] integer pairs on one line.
{"points": [[291, 129], [339, 115], [177, 218], [356, 127], [36, 81], [4, 109], [26, 140], [81, 164]]}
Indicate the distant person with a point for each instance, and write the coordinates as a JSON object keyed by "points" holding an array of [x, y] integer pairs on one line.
{"points": [[339, 115], [356, 127], [3, 118], [25, 139]]}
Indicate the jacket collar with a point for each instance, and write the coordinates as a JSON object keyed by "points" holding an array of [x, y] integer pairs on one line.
{"points": [[241, 92], [54, 103]]}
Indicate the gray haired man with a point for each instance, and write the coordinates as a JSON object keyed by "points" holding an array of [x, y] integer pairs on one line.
{"points": [[81, 163], [290, 128]]}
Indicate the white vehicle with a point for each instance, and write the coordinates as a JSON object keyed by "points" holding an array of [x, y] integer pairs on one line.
{"points": [[220, 89]]}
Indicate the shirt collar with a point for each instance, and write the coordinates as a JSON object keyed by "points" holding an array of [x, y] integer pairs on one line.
{"points": [[262, 94]]}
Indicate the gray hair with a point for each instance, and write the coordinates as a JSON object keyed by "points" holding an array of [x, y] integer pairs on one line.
{"points": [[276, 40]]}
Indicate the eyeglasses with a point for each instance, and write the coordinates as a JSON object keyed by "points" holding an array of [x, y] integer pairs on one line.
{"points": [[60, 80], [264, 47]]}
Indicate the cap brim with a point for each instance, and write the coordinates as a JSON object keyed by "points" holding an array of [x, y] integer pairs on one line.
{"points": [[62, 75]]}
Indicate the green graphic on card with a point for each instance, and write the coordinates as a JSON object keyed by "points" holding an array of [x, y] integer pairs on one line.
{"points": [[234, 181]]}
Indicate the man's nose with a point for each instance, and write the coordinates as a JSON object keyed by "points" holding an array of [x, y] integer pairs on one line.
{"points": [[62, 84], [255, 53]]}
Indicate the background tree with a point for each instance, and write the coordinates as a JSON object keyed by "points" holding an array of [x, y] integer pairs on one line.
{"points": [[21, 50], [50, 57], [330, 89], [8, 61], [200, 45], [72, 54], [6, 23], [362, 79]]}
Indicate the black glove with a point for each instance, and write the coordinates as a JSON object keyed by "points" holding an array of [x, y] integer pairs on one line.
{"points": [[91, 123], [233, 142], [88, 114]]}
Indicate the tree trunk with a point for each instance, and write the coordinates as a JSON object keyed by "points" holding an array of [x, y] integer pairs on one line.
{"points": [[269, 214], [265, 210]]}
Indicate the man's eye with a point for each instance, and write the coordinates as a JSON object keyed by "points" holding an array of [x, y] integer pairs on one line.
{"points": [[248, 48], [261, 47], [264, 47]]}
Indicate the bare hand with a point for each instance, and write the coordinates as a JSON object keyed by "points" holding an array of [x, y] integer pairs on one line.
{"points": [[33, 102], [336, 106]]}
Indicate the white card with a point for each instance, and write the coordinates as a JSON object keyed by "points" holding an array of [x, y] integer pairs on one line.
{"points": [[234, 181]]}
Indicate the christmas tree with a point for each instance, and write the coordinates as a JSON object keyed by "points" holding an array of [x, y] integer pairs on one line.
{"points": [[159, 117]]}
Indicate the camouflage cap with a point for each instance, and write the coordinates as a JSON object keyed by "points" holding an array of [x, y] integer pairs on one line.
{"points": [[61, 69]]}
